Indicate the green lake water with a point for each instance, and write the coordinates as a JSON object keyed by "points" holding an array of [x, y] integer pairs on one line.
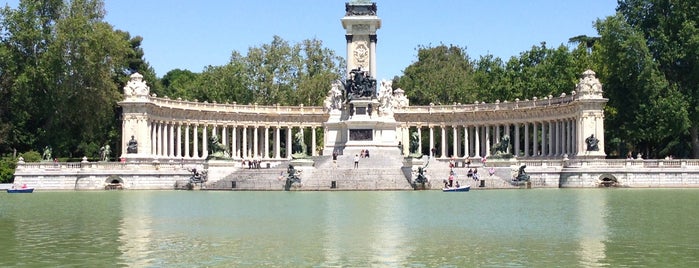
{"points": [[493, 228]]}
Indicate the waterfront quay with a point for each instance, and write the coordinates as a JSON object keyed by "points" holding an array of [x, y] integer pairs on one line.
{"points": [[375, 173]]}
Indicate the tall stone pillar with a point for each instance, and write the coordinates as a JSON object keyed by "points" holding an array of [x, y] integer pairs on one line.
{"points": [[314, 152], [467, 148], [195, 148], [266, 153], [186, 141], [590, 123], [360, 23], [277, 142]]}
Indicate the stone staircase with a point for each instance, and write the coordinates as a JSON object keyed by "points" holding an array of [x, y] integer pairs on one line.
{"points": [[383, 170]]}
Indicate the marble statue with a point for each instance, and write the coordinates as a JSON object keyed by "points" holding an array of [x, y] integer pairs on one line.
{"points": [[386, 98], [333, 101]]}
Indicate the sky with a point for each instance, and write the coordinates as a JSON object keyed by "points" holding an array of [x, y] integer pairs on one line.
{"points": [[194, 34]]}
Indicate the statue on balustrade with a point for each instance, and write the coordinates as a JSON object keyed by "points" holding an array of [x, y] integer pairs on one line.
{"points": [[104, 153], [132, 146], [46, 156]]}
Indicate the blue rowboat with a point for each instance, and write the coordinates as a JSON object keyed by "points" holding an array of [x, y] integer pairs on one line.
{"points": [[22, 190], [464, 188]]}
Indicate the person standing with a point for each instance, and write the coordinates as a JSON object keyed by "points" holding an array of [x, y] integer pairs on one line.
{"points": [[356, 161]]}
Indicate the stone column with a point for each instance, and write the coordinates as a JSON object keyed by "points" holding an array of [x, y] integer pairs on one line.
{"points": [[234, 142], [224, 136], [195, 153], [507, 132], [244, 143], [153, 138], [277, 142], [477, 142], [559, 136], [467, 152], [551, 135], [288, 142], [526, 139], [543, 139], [535, 140], [496, 133], [419, 139], [205, 142], [372, 54], [171, 147], [256, 141], [266, 142], [186, 141], [444, 141], [431, 141], [179, 140], [313, 141], [454, 142], [161, 140], [487, 128], [349, 38], [516, 148]]}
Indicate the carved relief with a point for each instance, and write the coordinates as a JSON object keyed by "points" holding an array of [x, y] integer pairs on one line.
{"points": [[361, 52]]}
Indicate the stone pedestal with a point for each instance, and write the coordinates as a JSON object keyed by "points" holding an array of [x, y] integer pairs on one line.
{"points": [[360, 128]]}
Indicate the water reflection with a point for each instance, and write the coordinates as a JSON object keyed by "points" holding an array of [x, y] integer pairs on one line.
{"points": [[135, 228], [528, 228], [592, 232], [389, 242]]}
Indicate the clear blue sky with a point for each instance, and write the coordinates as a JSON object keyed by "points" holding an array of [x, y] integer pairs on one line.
{"points": [[194, 34]]}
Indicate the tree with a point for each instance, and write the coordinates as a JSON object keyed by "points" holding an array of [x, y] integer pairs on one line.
{"points": [[640, 97], [441, 75], [670, 30]]}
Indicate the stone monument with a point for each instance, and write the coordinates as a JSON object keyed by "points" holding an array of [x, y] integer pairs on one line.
{"points": [[591, 123], [135, 120], [364, 120]]}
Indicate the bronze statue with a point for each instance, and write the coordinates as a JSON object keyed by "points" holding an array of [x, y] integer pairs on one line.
{"points": [[291, 177], [502, 146], [414, 142], [132, 146], [360, 85], [592, 143], [521, 174]]}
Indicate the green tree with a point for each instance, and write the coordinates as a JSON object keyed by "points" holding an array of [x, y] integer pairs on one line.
{"points": [[27, 34], [441, 75], [670, 30], [640, 97], [179, 83]]}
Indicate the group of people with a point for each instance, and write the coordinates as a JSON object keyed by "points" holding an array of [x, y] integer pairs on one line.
{"points": [[252, 163], [450, 183], [364, 153]]}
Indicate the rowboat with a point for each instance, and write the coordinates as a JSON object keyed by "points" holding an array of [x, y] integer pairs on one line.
{"points": [[21, 190], [464, 188]]}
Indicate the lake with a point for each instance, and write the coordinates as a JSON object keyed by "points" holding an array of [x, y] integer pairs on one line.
{"points": [[485, 228]]}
